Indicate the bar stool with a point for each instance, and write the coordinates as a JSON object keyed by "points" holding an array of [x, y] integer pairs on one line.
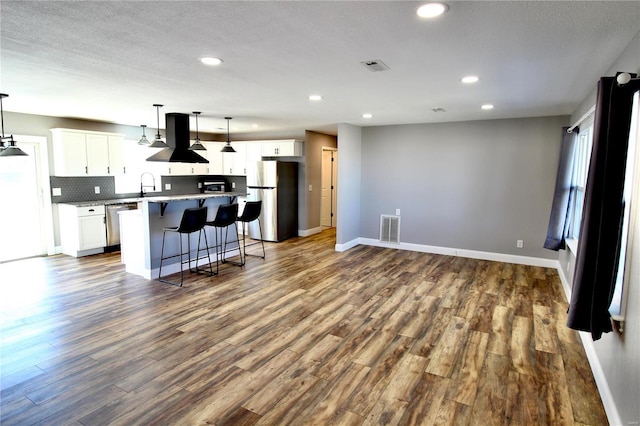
{"points": [[250, 213], [225, 217], [193, 220]]}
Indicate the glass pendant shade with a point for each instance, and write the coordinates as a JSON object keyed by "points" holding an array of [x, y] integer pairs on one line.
{"points": [[228, 147], [197, 146], [143, 140], [158, 142]]}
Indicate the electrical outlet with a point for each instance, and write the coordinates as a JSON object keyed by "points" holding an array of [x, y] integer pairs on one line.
{"points": [[199, 185], [397, 212], [520, 243], [56, 192], [167, 187], [96, 189], [233, 185]]}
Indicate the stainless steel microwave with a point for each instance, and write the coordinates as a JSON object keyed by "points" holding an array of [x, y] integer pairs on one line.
{"points": [[214, 186]]}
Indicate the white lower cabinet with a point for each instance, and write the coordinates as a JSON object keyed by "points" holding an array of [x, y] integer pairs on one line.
{"points": [[83, 229]]}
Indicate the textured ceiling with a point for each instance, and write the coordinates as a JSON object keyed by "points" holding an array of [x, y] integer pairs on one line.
{"points": [[111, 60]]}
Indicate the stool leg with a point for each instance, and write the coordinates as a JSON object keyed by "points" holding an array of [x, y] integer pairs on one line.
{"points": [[161, 255], [181, 254], [261, 239], [244, 244]]}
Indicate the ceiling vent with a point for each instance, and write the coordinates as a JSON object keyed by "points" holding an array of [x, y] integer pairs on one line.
{"points": [[375, 65]]}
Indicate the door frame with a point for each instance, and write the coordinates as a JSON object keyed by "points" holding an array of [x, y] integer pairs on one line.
{"points": [[44, 188], [334, 185]]}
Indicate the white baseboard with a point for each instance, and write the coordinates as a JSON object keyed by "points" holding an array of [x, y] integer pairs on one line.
{"points": [[606, 396], [348, 245], [307, 232], [473, 254]]}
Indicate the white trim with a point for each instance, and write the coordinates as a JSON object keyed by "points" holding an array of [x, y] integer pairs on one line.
{"points": [[348, 245], [473, 254], [572, 244], [608, 401], [308, 232], [604, 390]]}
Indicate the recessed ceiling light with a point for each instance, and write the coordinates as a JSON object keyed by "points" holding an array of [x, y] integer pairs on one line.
{"points": [[487, 106], [254, 125], [315, 97], [367, 115], [431, 10], [470, 79], [211, 61]]}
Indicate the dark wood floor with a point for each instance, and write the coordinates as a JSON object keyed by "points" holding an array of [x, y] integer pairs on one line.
{"points": [[307, 336]]}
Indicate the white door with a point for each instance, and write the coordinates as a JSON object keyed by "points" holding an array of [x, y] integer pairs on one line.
{"points": [[23, 207], [329, 188]]}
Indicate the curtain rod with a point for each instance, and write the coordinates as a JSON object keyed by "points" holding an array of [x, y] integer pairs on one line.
{"points": [[584, 117]]}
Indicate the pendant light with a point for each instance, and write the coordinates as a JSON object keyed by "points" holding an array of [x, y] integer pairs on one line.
{"points": [[228, 147], [11, 149], [197, 146], [143, 140], [158, 142]]}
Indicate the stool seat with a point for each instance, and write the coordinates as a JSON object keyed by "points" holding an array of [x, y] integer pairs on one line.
{"points": [[193, 220]]}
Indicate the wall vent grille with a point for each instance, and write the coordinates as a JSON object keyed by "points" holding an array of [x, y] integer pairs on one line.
{"points": [[389, 229]]}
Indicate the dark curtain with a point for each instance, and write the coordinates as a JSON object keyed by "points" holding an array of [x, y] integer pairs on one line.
{"points": [[562, 197], [600, 231]]}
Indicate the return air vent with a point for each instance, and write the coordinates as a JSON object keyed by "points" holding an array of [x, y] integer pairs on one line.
{"points": [[389, 229], [375, 65]]}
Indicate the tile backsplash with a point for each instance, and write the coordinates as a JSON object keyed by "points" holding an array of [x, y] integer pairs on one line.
{"points": [[74, 189]]}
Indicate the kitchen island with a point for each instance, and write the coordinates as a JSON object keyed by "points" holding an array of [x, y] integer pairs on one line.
{"points": [[141, 230]]}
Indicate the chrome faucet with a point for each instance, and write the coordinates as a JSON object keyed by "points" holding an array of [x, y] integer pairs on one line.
{"points": [[143, 186]]}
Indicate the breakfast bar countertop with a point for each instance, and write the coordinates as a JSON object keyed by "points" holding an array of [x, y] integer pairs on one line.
{"points": [[157, 199]]}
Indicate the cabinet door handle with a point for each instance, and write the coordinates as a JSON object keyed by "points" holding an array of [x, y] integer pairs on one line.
{"points": [[108, 170], [86, 170]]}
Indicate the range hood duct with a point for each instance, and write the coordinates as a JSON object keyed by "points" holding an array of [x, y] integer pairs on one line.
{"points": [[178, 139]]}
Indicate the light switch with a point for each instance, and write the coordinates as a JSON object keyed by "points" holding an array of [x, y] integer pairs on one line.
{"points": [[310, 188], [56, 192]]}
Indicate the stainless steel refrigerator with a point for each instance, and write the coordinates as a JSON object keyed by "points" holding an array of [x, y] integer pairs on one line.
{"points": [[276, 184]]}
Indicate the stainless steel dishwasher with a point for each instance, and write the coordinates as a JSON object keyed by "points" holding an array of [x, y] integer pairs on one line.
{"points": [[113, 224]]}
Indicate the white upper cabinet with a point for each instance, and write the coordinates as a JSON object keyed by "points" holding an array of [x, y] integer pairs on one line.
{"points": [[82, 153], [116, 155], [214, 155], [282, 148], [235, 163]]}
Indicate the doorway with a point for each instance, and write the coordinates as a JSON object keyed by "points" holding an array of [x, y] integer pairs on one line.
{"points": [[328, 204], [26, 212]]}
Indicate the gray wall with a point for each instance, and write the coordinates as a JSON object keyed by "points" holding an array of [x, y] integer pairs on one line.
{"points": [[313, 143], [478, 185], [618, 354], [349, 183]]}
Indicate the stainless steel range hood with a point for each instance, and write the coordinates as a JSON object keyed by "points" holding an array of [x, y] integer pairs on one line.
{"points": [[178, 139]]}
